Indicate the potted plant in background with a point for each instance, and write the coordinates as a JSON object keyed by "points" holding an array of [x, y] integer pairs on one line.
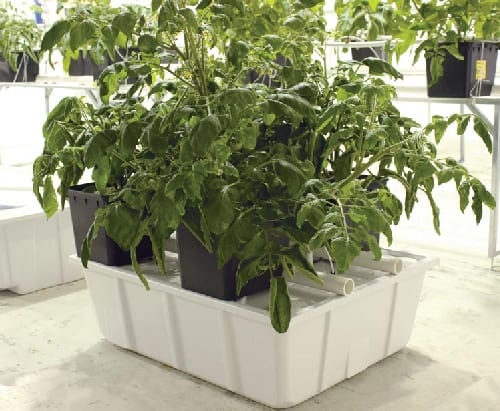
{"points": [[92, 35], [363, 20], [460, 44], [20, 39]]}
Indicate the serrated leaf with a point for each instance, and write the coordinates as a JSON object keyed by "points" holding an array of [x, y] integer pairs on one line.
{"points": [[463, 192], [482, 131], [439, 125]]}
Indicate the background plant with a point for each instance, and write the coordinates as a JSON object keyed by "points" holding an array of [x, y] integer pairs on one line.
{"points": [[19, 34], [442, 24], [95, 28]]}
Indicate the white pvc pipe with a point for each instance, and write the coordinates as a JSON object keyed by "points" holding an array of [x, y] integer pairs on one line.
{"points": [[336, 283], [387, 263]]}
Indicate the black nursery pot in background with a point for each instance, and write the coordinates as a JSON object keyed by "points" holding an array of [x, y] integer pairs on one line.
{"points": [[85, 66], [359, 54], [471, 77], [27, 69], [83, 203], [199, 271]]}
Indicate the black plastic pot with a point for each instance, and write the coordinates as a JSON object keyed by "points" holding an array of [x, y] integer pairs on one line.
{"points": [[27, 69], [199, 271], [83, 203], [362, 53], [85, 66], [465, 78], [254, 77]]}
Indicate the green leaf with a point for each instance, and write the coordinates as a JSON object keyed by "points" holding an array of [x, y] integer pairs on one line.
{"points": [[219, 212], [482, 130], [203, 4], [311, 212], [130, 136], [125, 22], [121, 223], [424, 169], [247, 270], [92, 235], [54, 35], [439, 125], [137, 267], [147, 43], [377, 66], [190, 18], [155, 5], [227, 246], [109, 35], [168, 216], [50, 205], [463, 192], [204, 133], [97, 146], [100, 173], [294, 22], [311, 3], [343, 251], [295, 257], [297, 103], [435, 212], [462, 124], [291, 175], [279, 304], [239, 97], [80, 34], [248, 135]]}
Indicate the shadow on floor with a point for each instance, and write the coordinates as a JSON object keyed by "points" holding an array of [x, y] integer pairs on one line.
{"points": [[111, 378], [11, 301]]}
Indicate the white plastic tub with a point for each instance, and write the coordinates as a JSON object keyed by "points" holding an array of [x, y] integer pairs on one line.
{"points": [[233, 345], [34, 251]]}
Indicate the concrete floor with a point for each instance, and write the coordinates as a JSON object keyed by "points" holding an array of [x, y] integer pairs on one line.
{"points": [[53, 357]]}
